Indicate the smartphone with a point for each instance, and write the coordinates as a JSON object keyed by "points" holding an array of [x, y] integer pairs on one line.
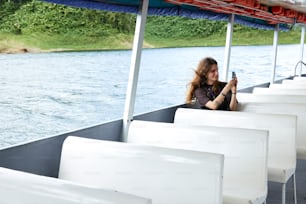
{"points": [[233, 75]]}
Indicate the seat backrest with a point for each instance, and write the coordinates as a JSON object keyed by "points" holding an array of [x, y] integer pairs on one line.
{"points": [[290, 81], [277, 98], [299, 78], [165, 175], [269, 91], [287, 86], [296, 109], [18, 187], [245, 150], [282, 129]]}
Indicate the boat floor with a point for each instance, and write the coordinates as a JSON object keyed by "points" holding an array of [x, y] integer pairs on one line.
{"points": [[275, 189]]}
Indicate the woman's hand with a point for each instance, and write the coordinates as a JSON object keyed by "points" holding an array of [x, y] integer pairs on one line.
{"points": [[233, 103], [231, 86], [234, 83]]}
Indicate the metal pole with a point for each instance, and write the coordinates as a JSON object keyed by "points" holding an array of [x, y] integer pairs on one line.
{"points": [[228, 46], [302, 47], [275, 42], [134, 67]]}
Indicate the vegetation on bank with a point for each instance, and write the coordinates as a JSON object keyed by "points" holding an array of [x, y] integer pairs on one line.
{"points": [[32, 25]]}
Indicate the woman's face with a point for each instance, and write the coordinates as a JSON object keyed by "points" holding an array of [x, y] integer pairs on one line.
{"points": [[212, 75]]}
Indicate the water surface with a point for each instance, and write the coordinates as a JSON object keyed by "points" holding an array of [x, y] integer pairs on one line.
{"points": [[50, 93]]}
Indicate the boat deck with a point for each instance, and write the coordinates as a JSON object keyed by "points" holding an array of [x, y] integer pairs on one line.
{"points": [[275, 189]]}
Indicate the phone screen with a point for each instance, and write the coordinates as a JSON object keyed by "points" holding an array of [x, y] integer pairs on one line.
{"points": [[233, 75]]}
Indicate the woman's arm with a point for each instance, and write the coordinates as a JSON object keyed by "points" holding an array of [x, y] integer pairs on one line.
{"points": [[234, 103], [214, 104]]}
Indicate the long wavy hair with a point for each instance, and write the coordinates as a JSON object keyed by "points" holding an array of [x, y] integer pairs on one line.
{"points": [[200, 77]]}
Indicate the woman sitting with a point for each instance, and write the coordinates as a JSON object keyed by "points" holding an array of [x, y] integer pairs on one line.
{"points": [[208, 91]]}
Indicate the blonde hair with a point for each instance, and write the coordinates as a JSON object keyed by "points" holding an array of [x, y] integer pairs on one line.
{"points": [[200, 76]]}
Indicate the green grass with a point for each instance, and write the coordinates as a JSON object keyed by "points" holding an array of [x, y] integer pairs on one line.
{"points": [[260, 37], [41, 26], [44, 42], [255, 37], [72, 42]]}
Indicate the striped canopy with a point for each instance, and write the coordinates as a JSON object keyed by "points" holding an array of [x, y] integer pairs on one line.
{"points": [[252, 13]]}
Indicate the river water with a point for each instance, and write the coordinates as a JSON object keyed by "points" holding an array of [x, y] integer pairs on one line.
{"points": [[50, 93]]}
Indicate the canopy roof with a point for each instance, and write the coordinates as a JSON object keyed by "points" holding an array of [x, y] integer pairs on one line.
{"points": [[263, 14]]}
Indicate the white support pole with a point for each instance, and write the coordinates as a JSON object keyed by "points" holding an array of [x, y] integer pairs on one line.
{"points": [[302, 47], [275, 44], [228, 45], [134, 68]]}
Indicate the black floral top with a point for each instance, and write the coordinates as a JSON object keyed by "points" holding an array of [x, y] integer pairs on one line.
{"points": [[204, 93]]}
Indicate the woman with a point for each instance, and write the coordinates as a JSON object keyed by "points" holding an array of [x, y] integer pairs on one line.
{"points": [[208, 91]]}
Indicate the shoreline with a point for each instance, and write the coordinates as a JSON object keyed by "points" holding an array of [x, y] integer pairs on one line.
{"points": [[24, 50], [15, 51], [30, 50]]}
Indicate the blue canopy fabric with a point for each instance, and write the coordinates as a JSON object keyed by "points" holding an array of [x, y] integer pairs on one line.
{"points": [[162, 8]]}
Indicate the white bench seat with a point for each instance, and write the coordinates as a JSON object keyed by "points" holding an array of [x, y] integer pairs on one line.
{"points": [[296, 109], [287, 86], [18, 187], [282, 135], [275, 98], [299, 78], [277, 91], [298, 82], [167, 176], [245, 151]]}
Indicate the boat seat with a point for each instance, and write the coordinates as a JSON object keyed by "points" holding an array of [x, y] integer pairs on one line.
{"points": [[287, 86], [167, 176], [295, 104], [18, 187], [297, 82], [282, 135], [299, 78], [296, 109], [245, 152], [275, 98], [277, 91]]}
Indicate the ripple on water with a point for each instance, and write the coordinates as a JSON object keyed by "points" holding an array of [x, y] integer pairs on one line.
{"points": [[50, 93]]}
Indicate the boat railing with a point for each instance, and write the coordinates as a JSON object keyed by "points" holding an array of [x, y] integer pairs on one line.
{"points": [[299, 62]]}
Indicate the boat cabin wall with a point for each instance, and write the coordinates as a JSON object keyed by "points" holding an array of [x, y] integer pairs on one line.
{"points": [[162, 115], [42, 156]]}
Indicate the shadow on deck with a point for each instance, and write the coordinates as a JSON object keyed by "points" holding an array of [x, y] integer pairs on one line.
{"points": [[275, 189]]}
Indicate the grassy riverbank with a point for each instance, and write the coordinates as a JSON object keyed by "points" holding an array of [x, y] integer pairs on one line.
{"points": [[44, 43], [35, 26], [256, 37]]}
